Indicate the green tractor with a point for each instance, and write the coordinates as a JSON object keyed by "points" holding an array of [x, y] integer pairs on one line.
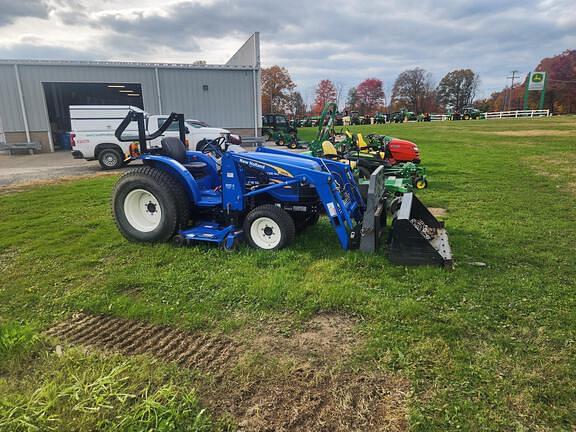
{"points": [[403, 116], [379, 118], [277, 128], [471, 113]]}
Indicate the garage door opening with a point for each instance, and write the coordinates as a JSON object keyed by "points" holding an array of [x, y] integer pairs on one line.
{"points": [[60, 95]]}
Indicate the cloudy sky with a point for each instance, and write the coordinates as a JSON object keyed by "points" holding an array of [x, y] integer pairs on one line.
{"points": [[345, 41]]}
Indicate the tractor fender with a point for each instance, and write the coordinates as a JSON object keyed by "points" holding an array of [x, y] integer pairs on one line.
{"points": [[178, 171]]}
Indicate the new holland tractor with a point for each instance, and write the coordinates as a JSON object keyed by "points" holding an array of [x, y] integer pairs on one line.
{"points": [[225, 195]]}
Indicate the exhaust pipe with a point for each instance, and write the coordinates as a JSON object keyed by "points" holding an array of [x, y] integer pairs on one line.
{"points": [[417, 237]]}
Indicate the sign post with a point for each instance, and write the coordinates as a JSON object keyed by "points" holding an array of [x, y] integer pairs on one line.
{"points": [[536, 82]]}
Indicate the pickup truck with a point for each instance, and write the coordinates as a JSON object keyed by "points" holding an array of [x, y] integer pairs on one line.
{"points": [[93, 126]]}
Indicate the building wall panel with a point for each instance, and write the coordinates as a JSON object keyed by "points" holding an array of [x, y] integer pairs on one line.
{"points": [[227, 102], [10, 110]]}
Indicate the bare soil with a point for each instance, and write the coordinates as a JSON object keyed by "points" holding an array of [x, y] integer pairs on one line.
{"points": [[22, 185], [438, 211], [270, 378]]}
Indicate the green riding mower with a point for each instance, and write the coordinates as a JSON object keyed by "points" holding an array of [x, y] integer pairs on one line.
{"points": [[400, 158], [330, 145]]}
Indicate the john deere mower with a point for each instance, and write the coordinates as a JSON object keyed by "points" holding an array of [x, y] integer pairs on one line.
{"points": [[400, 157], [351, 148], [224, 195]]}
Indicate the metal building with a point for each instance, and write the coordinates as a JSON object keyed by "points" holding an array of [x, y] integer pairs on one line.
{"points": [[35, 94]]}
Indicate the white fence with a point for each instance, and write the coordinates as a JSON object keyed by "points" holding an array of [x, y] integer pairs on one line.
{"points": [[517, 114], [439, 117]]}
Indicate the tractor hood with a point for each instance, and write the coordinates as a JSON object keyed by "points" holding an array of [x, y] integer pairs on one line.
{"points": [[398, 141], [274, 159]]}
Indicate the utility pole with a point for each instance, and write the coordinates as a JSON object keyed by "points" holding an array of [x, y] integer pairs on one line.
{"points": [[513, 77]]}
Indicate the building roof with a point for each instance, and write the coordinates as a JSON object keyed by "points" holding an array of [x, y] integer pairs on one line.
{"points": [[125, 64]]}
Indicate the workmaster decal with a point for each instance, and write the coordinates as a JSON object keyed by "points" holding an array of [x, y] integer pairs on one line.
{"points": [[262, 166]]}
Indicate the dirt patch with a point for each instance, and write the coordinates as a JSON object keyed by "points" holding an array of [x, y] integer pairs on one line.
{"points": [[268, 378], [325, 335], [29, 184], [438, 211], [128, 337], [332, 402], [561, 168], [533, 133]]}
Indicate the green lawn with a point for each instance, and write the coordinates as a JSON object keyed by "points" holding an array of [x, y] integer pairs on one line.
{"points": [[484, 348]]}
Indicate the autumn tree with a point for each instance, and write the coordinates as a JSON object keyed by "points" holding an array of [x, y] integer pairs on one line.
{"points": [[277, 87], [458, 88], [413, 90], [325, 92], [352, 100], [561, 83], [370, 95], [297, 106]]}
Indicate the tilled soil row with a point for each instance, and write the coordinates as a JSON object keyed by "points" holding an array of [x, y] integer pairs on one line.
{"points": [[313, 396], [128, 337]]}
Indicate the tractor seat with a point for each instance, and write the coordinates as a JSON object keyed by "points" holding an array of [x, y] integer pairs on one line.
{"points": [[175, 149]]}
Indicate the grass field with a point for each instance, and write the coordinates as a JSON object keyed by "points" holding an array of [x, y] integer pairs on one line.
{"points": [[480, 348]]}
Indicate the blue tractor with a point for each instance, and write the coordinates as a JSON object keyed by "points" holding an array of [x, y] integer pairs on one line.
{"points": [[224, 194]]}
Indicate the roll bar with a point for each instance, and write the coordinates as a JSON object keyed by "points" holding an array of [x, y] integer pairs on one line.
{"points": [[142, 137]]}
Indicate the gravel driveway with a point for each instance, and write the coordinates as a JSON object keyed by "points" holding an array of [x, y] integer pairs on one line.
{"points": [[21, 169]]}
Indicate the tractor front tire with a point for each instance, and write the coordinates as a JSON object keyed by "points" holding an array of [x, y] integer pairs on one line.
{"points": [[293, 145], [420, 183], [149, 205], [269, 227]]}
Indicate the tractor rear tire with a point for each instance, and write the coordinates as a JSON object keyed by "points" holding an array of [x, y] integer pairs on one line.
{"points": [[149, 205], [269, 227]]}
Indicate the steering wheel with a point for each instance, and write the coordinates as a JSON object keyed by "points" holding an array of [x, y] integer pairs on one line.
{"points": [[217, 147]]}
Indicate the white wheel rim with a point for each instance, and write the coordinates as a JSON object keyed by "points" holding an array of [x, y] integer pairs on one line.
{"points": [[265, 233], [142, 210]]}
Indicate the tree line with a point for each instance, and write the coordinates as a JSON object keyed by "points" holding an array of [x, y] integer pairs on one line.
{"points": [[413, 90]]}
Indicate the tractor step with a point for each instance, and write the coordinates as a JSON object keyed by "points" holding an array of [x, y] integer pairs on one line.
{"points": [[417, 237], [210, 232]]}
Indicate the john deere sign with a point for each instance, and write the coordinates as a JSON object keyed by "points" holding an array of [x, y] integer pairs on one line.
{"points": [[537, 80]]}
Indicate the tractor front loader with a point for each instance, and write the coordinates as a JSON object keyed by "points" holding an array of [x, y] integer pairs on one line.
{"points": [[261, 197]]}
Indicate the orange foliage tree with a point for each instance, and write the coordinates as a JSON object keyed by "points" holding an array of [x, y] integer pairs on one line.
{"points": [[325, 92]]}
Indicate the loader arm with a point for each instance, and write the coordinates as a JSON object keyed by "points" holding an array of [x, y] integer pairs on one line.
{"points": [[325, 131], [336, 189]]}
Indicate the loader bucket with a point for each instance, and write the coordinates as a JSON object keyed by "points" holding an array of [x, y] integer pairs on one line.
{"points": [[417, 237], [374, 221]]}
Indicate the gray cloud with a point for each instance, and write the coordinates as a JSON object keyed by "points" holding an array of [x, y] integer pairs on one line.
{"points": [[11, 10], [35, 50], [338, 39]]}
